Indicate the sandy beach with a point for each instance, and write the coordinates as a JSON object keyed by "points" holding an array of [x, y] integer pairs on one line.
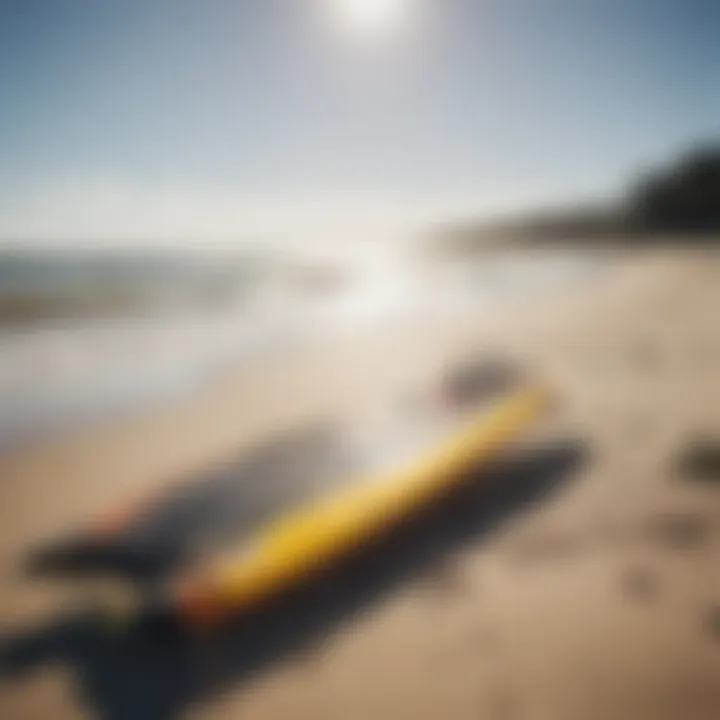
{"points": [[598, 599]]}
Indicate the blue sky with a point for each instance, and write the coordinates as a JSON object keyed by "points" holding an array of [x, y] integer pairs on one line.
{"points": [[210, 120]]}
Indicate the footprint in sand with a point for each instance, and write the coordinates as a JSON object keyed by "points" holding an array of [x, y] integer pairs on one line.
{"points": [[679, 531], [711, 622], [640, 583], [546, 548], [700, 461]]}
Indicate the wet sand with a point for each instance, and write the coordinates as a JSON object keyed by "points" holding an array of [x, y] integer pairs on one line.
{"points": [[598, 598]]}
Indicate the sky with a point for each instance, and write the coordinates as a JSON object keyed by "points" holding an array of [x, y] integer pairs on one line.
{"points": [[219, 121]]}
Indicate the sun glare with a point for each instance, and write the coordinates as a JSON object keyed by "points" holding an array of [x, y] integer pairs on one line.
{"points": [[370, 17]]}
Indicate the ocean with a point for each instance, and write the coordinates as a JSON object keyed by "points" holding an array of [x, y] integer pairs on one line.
{"points": [[87, 337]]}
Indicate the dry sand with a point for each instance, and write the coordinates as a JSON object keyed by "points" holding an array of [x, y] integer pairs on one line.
{"points": [[600, 601]]}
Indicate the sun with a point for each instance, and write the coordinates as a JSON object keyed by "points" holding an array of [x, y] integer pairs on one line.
{"points": [[370, 17]]}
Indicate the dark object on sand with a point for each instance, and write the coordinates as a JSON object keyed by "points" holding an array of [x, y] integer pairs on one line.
{"points": [[700, 461], [476, 380]]}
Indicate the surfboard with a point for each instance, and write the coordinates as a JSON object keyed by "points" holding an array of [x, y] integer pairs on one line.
{"points": [[296, 503], [299, 543]]}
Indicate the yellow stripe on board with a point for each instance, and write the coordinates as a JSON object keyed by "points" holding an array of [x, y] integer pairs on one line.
{"points": [[305, 540]]}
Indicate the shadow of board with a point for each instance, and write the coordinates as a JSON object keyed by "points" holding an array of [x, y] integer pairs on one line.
{"points": [[204, 512], [144, 674]]}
